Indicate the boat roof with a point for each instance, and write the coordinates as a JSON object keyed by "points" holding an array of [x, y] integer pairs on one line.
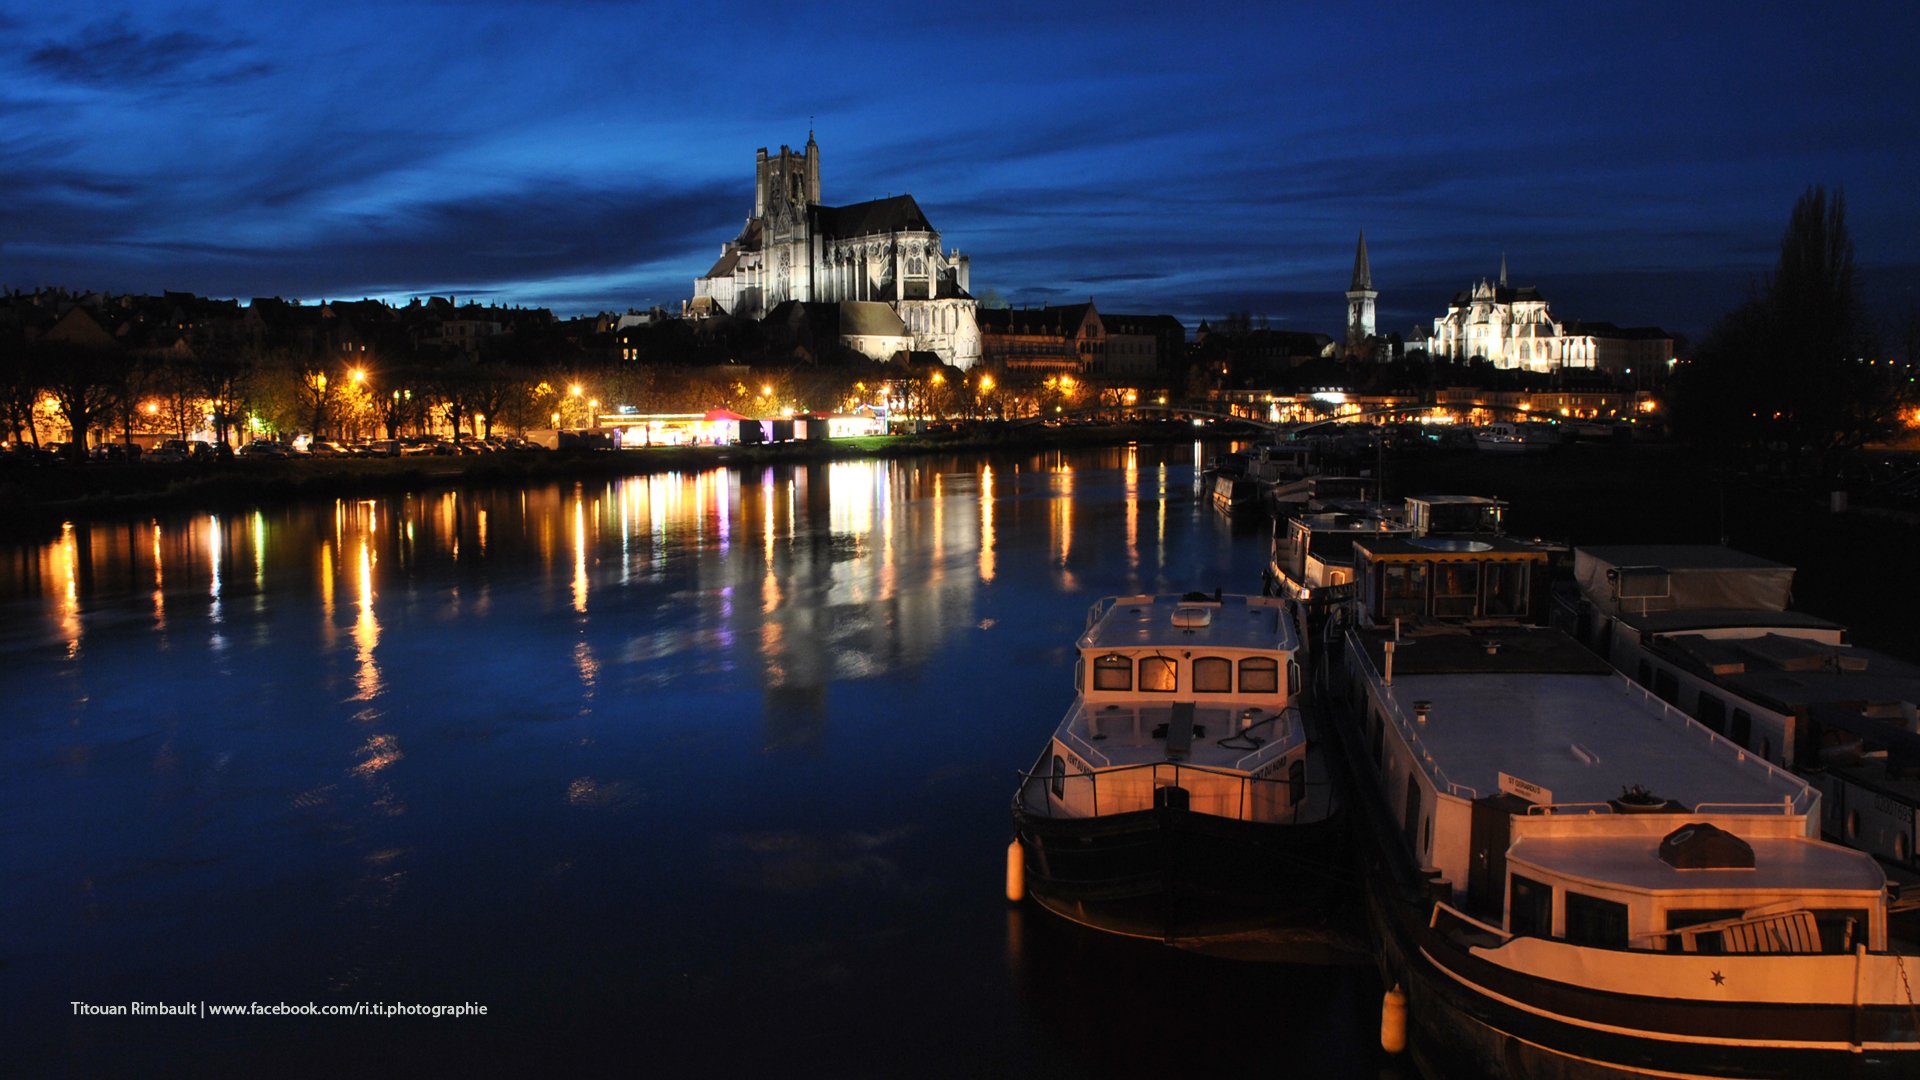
{"points": [[1722, 618], [1680, 557], [1642, 578], [1794, 672], [1546, 711], [1633, 862], [1480, 544], [1233, 622]]}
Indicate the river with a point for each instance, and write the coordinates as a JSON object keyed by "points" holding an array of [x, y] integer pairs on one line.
{"points": [[686, 774]]}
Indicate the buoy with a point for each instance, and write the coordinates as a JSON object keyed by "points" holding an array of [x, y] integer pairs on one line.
{"points": [[1016, 872], [1393, 1020]]}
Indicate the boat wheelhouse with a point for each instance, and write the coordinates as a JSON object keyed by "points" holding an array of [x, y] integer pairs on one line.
{"points": [[1571, 878], [1183, 796], [1708, 630]]}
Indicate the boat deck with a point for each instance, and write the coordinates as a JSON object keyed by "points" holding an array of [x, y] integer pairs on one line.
{"points": [[1110, 736], [1542, 709]]}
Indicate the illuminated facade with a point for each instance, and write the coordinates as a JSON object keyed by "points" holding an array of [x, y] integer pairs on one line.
{"points": [[884, 250], [1360, 298], [1513, 328], [1508, 326]]}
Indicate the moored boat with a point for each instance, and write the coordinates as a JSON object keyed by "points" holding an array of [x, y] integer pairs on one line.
{"points": [[1184, 796], [1708, 629], [1567, 876]]}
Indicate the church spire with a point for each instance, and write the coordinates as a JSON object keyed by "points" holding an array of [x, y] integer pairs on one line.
{"points": [[1362, 274], [1503, 269]]}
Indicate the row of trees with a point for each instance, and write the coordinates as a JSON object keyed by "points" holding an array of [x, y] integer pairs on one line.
{"points": [[230, 388]]}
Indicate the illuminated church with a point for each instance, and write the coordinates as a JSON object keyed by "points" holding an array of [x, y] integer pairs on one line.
{"points": [[882, 252], [1511, 327]]}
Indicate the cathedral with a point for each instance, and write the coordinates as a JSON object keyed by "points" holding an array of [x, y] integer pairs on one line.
{"points": [[1509, 326], [883, 251]]}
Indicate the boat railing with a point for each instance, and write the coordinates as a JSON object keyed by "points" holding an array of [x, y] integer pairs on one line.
{"points": [[1408, 730], [1674, 714], [1784, 806], [1442, 907], [1066, 794]]}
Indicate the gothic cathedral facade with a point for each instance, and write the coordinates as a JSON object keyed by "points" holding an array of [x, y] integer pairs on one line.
{"points": [[884, 250]]}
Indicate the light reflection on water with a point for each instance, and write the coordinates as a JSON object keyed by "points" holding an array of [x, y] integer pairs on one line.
{"points": [[627, 760]]}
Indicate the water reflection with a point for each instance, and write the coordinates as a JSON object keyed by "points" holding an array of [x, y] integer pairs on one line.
{"points": [[848, 569]]}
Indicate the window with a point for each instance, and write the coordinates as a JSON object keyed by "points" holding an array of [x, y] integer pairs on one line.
{"points": [[1742, 732], [1403, 590], [1593, 921], [1059, 777], [1681, 918], [1840, 928], [1506, 588], [1456, 590], [1259, 675], [1157, 674], [1080, 671], [1667, 686], [1293, 679], [1410, 826], [1712, 712], [1529, 908], [1113, 672], [1213, 675]]}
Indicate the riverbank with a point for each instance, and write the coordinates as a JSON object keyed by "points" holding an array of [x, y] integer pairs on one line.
{"points": [[39, 498]]}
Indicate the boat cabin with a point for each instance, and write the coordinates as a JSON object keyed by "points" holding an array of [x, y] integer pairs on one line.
{"points": [[1189, 699], [1452, 577]]}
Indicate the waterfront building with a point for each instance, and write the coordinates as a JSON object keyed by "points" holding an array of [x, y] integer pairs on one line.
{"points": [[794, 248]]}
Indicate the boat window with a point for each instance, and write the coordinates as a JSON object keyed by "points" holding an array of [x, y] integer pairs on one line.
{"points": [[1593, 921], [1297, 783], [1079, 672], [1293, 679], [1712, 712], [1059, 777], [1667, 686], [1403, 589], [1456, 590], [1112, 672], [1840, 928], [1529, 907], [1213, 675], [1157, 674], [1259, 675], [1742, 732], [1506, 588], [1410, 825], [1681, 918]]}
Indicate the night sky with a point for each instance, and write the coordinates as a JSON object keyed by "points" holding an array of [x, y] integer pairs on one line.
{"points": [[1636, 162]]}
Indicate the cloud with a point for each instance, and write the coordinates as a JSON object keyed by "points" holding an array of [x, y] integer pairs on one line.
{"points": [[114, 54]]}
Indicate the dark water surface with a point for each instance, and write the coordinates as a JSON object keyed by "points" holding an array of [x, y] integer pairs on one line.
{"points": [[693, 774]]}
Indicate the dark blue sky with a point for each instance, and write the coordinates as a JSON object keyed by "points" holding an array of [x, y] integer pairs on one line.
{"points": [[1637, 162]]}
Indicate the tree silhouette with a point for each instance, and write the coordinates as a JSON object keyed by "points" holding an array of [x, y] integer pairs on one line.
{"points": [[1789, 369]]}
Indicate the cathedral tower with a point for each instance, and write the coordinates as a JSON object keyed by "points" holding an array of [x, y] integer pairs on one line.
{"points": [[1360, 298]]}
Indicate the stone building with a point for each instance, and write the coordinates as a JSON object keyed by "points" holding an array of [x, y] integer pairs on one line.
{"points": [[1360, 298], [1513, 328], [882, 251]]}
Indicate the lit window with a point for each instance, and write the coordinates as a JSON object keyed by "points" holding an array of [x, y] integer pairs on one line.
{"points": [[1157, 674], [1113, 672]]}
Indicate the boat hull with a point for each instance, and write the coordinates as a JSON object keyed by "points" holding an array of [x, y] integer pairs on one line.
{"points": [[1183, 877], [1469, 1015]]}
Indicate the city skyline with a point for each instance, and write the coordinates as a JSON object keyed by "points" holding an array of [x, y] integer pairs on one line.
{"points": [[1636, 163]]}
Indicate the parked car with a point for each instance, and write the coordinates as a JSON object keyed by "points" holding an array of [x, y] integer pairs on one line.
{"points": [[325, 448], [262, 448]]}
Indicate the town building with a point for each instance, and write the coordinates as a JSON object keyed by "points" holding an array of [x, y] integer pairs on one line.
{"points": [[794, 248]]}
